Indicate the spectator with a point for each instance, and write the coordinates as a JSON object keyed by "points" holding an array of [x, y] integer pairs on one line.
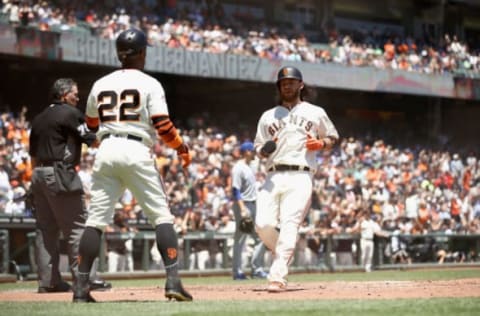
{"points": [[210, 29], [25, 13], [215, 247], [120, 256], [16, 205], [194, 221], [12, 8], [343, 250], [6, 192], [397, 248]]}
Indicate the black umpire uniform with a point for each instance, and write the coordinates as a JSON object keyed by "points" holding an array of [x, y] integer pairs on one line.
{"points": [[56, 139]]}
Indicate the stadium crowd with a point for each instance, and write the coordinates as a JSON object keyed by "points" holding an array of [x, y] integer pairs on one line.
{"points": [[205, 26], [408, 190]]}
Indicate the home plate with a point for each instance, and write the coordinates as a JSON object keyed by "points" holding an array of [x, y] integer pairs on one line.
{"points": [[290, 288]]}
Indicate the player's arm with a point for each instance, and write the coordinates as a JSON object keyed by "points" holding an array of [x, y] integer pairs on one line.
{"points": [[236, 193], [314, 143], [331, 138], [326, 142], [380, 232], [74, 120], [87, 134], [169, 134], [91, 116], [237, 197], [92, 123], [355, 229]]}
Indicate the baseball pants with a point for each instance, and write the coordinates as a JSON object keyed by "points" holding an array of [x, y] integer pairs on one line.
{"points": [[282, 203]]}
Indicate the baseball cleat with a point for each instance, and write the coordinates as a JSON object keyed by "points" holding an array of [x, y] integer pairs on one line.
{"points": [[239, 276], [259, 274], [276, 287], [81, 294], [60, 287], [83, 298], [175, 291], [81, 288], [100, 285]]}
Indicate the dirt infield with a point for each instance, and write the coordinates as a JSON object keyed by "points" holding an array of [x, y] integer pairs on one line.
{"points": [[305, 291]]}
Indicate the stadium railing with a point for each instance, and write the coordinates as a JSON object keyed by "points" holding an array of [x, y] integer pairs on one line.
{"points": [[5, 250], [422, 248], [146, 239]]}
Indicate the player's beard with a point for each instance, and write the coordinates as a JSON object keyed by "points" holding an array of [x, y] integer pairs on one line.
{"points": [[290, 96]]}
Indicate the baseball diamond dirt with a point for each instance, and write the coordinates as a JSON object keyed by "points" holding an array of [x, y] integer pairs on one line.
{"points": [[305, 291]]}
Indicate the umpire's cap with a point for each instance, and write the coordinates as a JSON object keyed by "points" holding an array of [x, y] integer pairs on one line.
{"points": [[289, 72], [130, 42]]}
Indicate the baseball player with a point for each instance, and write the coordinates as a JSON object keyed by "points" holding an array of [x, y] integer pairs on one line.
{"points": [[288, 137], [244, 196], [367, 228], [128, 110]]}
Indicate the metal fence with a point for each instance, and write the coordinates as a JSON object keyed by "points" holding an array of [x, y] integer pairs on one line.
{"points": [[336, 252], [4, 250]]}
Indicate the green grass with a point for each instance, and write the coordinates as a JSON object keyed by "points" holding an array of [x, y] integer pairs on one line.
{"points": [[423, 307], [397, 307]]}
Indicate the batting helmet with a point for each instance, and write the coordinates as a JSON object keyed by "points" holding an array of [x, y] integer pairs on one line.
{"points": [[131, 42], [289, 72]]}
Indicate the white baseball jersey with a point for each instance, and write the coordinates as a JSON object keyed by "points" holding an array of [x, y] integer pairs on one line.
{"points": [[284, 198], [368, 228], [124, 101], [290, 128]]}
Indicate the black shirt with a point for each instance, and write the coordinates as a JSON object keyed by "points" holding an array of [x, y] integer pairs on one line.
{"points": [[56, 134]]}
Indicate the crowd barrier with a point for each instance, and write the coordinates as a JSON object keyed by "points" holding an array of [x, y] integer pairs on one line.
{"points": [[5, 250], [17, 235], [148, 237], [422, 249]]}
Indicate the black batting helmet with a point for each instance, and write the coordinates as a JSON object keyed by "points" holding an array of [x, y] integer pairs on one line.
{"points": [[130, 42], [289, 72]]}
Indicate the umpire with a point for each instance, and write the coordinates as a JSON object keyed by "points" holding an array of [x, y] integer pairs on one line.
{"points": [[244, 196], [56, 138]]}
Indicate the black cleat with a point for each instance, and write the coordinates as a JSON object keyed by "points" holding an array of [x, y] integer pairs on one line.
{"points": [[175, 291], [81, 289], [81, 294], [83, 298], [59, 288]]}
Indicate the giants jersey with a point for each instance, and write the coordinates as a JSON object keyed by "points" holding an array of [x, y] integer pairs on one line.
{"points": [[124, 102], [289, 128]]}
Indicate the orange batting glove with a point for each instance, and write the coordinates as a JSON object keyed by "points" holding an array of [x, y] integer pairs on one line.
{"points": [[184, 154], [313, 143]]}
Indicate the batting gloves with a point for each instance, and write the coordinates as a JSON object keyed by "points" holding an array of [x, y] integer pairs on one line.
{"points": [[184, 154], [314, 144], [268, 148]]}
